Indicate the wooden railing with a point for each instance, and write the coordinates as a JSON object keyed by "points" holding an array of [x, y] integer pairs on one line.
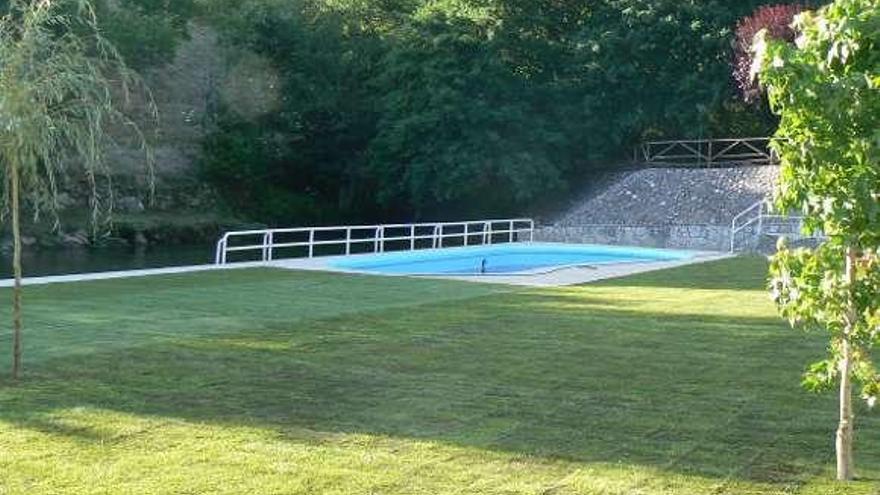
{"points": [[707, 153]]}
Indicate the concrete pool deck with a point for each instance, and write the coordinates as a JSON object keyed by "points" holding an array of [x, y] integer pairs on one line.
{"points": [[552, 278], [549, 278]]}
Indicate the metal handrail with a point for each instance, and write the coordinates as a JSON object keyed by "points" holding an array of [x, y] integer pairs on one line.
{"points": [[736, 227], [268, 239], [761, 217]]}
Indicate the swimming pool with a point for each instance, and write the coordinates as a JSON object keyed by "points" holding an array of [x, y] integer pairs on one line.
{"points": [[502, 259]]}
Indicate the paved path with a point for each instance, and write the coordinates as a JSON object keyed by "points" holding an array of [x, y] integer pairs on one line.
{"points": [[562, 277], [83, 277]]}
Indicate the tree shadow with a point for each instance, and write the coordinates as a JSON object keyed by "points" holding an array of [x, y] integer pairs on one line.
{"points": [[582, 386]]}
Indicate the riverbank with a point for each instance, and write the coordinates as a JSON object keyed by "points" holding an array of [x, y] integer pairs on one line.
{"points": [[43, 262]]}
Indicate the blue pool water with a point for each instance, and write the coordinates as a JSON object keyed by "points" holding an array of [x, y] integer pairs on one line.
{"points": [[501, 259]]}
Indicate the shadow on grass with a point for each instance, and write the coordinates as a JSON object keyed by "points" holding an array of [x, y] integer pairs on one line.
{"points": [[592, 374], [593, 388]]}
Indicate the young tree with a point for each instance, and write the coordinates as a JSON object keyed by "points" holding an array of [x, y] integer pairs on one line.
{"points": [[61, 87], [826, 89]]}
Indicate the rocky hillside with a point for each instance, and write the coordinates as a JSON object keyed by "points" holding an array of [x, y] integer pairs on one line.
{"points": [[662, 196], [204, 74]]}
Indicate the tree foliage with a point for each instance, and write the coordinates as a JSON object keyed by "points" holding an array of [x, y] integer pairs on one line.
{"points": [[458, 127], [826, 90], [776, 22], [462, 107], [144, 32]]}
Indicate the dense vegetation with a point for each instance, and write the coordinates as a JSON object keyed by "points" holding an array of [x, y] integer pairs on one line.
{"points": [[146, 32], [408, 109]]}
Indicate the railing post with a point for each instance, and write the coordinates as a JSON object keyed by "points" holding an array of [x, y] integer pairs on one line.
{"points": [[733, 236], [531, 231], [265, 253], [220, 255], [270, 254], [487, 233], [412, 237], [348, 241], [312, 243], [466, 233], [440, 239], [760, 222], [710, 158], [382, 239], [512, 226]]}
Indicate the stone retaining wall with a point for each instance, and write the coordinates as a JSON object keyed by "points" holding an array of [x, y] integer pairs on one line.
{"points": [[697, 237], [669, 196]]}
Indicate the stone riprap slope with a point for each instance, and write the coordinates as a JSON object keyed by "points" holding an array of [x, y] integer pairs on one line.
{"points": [[664, 196]]}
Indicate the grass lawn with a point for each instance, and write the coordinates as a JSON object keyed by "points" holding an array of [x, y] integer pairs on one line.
{"points": [[261, 381]]}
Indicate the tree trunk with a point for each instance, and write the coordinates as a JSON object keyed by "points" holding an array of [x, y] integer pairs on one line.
{"points": [[844, 443], [15, 186]]}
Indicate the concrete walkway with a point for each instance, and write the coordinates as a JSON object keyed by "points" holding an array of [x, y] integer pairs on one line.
{"points": [[84, 277], [584, 275], [554, 278], [551, 278]]}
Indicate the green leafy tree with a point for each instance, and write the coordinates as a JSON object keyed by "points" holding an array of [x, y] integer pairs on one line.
{"points": [[458, 126], [306, 160], [62, 86], [450, 108], [826, 89], [146, 32]]}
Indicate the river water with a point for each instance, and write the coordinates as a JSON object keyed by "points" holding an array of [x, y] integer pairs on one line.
{"points": [[42, 262]]}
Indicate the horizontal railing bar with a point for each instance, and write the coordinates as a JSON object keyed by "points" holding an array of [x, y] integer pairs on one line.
{"points": [[742, 155], [424, 236], [704, 141], [718, 155], [230, 249], [672, 157], [366, 227]]}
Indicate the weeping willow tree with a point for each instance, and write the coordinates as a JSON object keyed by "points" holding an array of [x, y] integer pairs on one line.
{"points": [[64, 91]]}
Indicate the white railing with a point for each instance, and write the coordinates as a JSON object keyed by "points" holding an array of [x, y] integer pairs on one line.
{"points": [[759, 220], [310, 242], [707, 152]]}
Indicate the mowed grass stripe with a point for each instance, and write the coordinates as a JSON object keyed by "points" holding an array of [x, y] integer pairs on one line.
{"points": [[683, 381]]}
